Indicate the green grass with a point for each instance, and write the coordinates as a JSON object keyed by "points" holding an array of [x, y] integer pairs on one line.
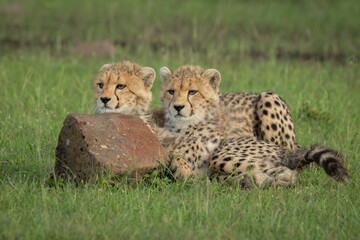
{"points": [[40, 90], [41, 84]]}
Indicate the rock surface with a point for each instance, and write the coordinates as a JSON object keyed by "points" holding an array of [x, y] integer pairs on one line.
{"points": [[122, 144]]}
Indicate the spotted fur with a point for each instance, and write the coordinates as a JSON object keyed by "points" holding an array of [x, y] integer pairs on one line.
{"points": [[191, 131], [265, 116], [196, 136], [241, 159]]}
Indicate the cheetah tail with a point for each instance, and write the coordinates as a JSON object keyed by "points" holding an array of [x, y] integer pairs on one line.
{"points": [[330, 160]]}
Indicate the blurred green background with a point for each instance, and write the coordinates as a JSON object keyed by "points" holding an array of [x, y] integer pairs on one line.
{"points": [[217, 30], [50, 51]]}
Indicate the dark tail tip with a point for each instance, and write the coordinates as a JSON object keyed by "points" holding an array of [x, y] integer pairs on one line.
{"points": [[331, 161], [335, 169]]}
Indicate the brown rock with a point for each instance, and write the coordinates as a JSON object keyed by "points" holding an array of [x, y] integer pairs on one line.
{"points": [[94, 49], [122, 144]]}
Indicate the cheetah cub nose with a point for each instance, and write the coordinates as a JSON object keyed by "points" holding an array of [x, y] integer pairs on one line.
{"points": [[178, 107], [105, 99]]}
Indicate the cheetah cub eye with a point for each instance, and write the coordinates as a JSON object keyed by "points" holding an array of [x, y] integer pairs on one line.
{"points": [[171, 92], [192, 92], [100, 85], [120, 86]]}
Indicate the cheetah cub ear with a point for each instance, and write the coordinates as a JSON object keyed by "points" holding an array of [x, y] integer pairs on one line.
{"points": [[106, 66], [148, 76], [165, 73], [214, 78]]}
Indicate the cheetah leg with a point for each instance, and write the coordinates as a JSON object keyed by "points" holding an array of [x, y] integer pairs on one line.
{"points": [[263, 174], [180, 167], [275, 122], [282, 176]]}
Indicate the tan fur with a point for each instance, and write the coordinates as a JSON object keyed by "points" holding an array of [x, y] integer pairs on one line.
{"points": [[264, 116], [191, 134], [199, 143], [134, 98]]}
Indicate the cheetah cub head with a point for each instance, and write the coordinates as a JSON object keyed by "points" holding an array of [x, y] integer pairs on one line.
{"points": [[189, 94], [123, 87]]}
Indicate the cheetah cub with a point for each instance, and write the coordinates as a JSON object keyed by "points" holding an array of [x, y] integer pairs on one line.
{"points": [[195, 136], [191, 131], [124, 87]]}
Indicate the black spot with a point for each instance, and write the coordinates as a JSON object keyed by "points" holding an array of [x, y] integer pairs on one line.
{"points": [[290, 127], [250, 167], [282, 129], [287, 136], [274, 127], [265, 112], [222, 165], [272, 139], [277, 116], [214, 157], [268, 104], [237, 165], [272, 116], [277, 103], [267, 127], [285, 118], [81, 149], [227, 159]]}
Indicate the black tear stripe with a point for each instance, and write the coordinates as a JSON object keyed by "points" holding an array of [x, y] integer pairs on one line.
{"points": [[117, 98], [192, 110]]}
